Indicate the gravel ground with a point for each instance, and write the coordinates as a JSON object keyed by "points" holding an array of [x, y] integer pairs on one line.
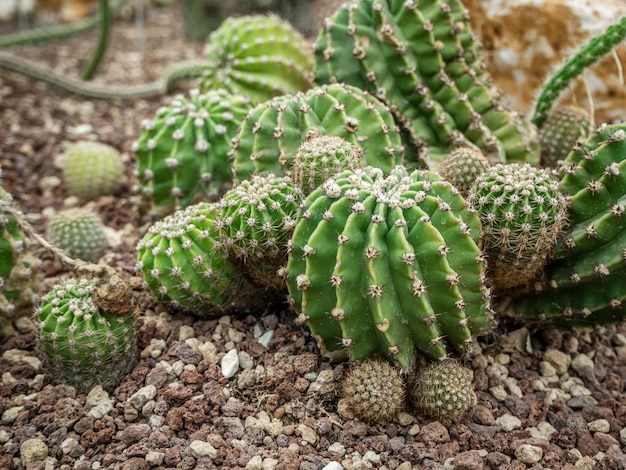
{"points": [[546, 399]]}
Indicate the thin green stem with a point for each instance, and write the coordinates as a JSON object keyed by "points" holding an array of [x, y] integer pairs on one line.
{"points": [[103, 41]]}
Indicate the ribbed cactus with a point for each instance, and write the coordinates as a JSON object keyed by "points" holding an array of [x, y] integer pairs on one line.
{"points": [[584, 283], [273, 131], [462, 167], [254, 221], [422, 59], [182, 152], [82, 345], [258, 56], [523, 212], [560, 131], [80, 232], [91, 169], [179, 262], [390, 265]]}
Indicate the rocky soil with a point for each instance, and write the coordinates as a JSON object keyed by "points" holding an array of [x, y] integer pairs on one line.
{"points": [[546, 399]]}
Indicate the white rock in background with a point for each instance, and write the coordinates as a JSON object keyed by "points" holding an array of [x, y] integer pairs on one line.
{"points": [[230, 363]]}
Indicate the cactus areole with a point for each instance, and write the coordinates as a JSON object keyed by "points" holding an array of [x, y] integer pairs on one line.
{"points": [[388, 264]]}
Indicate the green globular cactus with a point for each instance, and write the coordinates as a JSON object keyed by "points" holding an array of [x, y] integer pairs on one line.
{"points": [[273, 131], [81, 344], [560, 131], [462, 167], [80, 233], [443, 389], [422, 59], [374, 390], [91, 169], [258, 56], [254, 221], [182, 152], [179, 262], [584, 284], [523, 212], [388, 265]]}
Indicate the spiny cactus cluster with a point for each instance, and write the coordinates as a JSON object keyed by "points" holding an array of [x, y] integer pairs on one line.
{"points": [[462, 167], [560, 131], [91, 169], [82, 345], [80, 232], [258, 56], [182, 152], [390, 265], [423, 61]]}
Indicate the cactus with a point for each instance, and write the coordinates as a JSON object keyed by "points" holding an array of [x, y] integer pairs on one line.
{"points": [[80, 232], [560, 131], [182, 152], [179, 263], [388, 265], [258, 56], [272, 132], [523, 212], [254, 222], [444, 389], [374, 390], [91, 169], [584, 282], [462, 166], [81, 344], [421, 59]]}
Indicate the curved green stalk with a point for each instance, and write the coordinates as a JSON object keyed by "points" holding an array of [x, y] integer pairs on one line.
{"points": [[103, 41]]}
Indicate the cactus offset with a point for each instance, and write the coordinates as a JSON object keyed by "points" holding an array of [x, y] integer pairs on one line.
{"points": [[182, 152], [462, 166], [423, 61], [258, 56], [388, 265], [560, 131], [80, 232]]}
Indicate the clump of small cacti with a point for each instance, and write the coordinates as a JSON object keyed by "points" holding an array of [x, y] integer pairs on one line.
{"points": [[388, 265], [462, 167], [560, 131], [322, 156], [443, 389], [422, 59], [584, 282], [258, 56], [523, 212], [182, 152], [81, 344], [91, 169], [374, 390], [80, 232], [273, 131]]}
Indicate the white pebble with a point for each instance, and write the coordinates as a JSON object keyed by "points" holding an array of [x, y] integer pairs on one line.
{"points": [[599, 425], [333, 466], [266, 338], [200, 449], [230, 363], [337, 449], [582, 361], [508, 423], [142, 396], [622, 436], [528, 454], [255, 463]]}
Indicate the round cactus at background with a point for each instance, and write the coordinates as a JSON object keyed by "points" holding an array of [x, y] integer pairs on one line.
{"points": [[80, 232], [462, 167], [560, 132]]}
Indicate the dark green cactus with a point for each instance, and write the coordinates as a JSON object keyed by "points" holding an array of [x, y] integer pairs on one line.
{"points": [[182, 152], [560, 131], [523, 212], [422, 59], [274, 130], [388, 265], [258, 56], [462, 167], [584, 283], [80, 233], [81, 344]]}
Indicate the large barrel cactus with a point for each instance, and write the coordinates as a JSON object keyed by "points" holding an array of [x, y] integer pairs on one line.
{"points": [[423, 61], [389, 265], [584, 283]]}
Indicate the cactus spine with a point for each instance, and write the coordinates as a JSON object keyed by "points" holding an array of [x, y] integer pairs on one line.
{"points": [[79, 232]]}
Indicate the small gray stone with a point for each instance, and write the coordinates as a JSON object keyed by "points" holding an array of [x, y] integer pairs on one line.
{"points": [[599, 425], [508, 423], [200, 449], [528, 454], [142, 396]]}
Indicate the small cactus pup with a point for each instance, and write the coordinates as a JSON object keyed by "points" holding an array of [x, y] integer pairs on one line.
{"points": [[91, 169], [560, 132], [583, 284], [258, 56], [444, 389], [182, 152], [321, 156], [254, 221], [82, 345], [423, 61], [373, 390], [180, 264], [80, 232], [388, 265], [273, 131], [523, 212], [462, 167]]}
